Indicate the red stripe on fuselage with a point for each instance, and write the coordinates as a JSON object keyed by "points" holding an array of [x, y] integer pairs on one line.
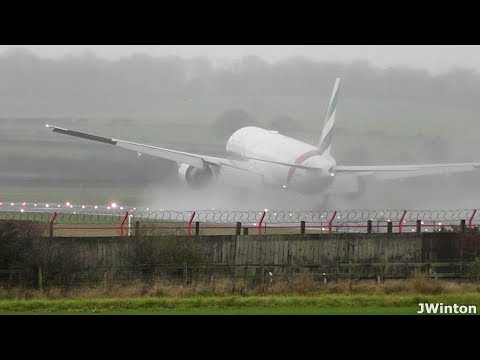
{"points": [[300, 160]]}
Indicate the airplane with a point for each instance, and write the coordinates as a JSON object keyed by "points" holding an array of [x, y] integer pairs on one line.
{"points": [[260, 157]]}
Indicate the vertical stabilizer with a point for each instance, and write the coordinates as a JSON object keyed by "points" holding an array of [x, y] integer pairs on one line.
{"points": [[325, 142]]}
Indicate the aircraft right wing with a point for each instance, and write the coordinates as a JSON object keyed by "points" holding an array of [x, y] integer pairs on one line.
{"points": [[388, 172]]}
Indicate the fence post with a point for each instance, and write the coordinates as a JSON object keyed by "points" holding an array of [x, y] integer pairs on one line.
{"points": [[40, 278], [260, 223], [189, 226], [369, 226], [137, 229], [400, 223], [471, 218], [389, 227], [245, 231], [462, 225], [238, 228], [185, 273], [330, 223], [54, 216], [122, 224], [302, 227], [419, 226], [197, 228]]}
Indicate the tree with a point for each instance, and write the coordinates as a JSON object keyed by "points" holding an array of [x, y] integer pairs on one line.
{"points": [[231, 120], [284, 123]]}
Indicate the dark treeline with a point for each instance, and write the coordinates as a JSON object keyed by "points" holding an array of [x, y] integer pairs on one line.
{"points": [[75, 83]]}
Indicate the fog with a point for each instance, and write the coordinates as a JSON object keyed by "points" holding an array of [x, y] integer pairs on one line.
{"points": [[433, 58], [408, 112]]}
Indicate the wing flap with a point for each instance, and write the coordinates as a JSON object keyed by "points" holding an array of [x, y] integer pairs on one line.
{"points": [[178, 156]]}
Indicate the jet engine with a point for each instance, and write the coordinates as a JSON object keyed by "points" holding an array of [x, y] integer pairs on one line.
{"points": [[195, 177]]}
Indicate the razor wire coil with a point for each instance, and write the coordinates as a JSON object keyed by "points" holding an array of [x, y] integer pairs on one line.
{"points": [[322, 217]]}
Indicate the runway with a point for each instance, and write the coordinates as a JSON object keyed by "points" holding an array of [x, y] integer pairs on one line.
{"points": [[71, 208]]}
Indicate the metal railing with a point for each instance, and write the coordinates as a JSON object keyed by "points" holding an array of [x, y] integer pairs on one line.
{"points": [[266, 221]]}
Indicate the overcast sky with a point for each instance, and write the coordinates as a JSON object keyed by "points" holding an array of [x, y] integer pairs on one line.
{"points": [[435, 58]]}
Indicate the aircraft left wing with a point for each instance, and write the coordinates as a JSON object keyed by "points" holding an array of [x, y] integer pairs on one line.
{"points": [[195, 160]]}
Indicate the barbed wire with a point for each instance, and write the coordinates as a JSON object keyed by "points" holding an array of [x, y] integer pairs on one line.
{"points": [[245, 216]]}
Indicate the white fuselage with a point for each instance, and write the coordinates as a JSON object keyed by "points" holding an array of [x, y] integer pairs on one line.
{"points": [[254, 142]]}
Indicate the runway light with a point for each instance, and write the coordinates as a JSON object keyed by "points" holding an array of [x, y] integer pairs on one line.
{"points": [[121, 207], [22, 210], [11, 204], [332, 174], [57, 205], [83, 206], [114, 205], [134, 209], [47, 126], [74, 212], [284, 186], [68, 204], [71, 206], [96, 207], [46, 205], [35, 205], [148, 209], [323, 229], [440, 224], [290, 215], [422, 223], [108, 207], [266, 210], [24, 203]]}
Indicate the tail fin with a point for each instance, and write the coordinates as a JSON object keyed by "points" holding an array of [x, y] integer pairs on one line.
{"points": [[325, 142]]}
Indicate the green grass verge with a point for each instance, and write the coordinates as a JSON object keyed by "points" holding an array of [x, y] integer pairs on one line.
{"points": [[322, 304]]}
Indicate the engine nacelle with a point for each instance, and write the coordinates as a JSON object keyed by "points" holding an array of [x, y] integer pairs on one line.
{"points": [[196, 178]]}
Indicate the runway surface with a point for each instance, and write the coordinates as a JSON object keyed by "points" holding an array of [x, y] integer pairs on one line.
{"points": [[71, 208]]}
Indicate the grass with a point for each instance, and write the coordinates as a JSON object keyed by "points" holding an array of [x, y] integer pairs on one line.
{"points": [[76, 194], [300, 295], [300, 285], [322, 304]]}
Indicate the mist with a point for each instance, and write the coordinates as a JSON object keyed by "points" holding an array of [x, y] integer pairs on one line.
{"points": [[386, 115]]}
